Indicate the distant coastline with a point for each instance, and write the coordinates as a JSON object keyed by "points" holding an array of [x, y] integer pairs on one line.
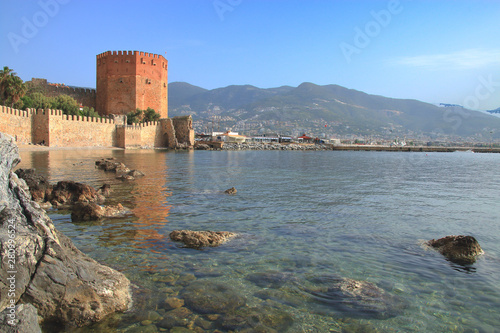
{"points": [[317, 147]]}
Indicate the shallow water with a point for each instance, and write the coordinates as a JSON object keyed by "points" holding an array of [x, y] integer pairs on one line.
{"points": [[305, 220]]}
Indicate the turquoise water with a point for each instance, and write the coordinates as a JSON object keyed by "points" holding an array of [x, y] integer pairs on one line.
{"points": [[305, 220]]}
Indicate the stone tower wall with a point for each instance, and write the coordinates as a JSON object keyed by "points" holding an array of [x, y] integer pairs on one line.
{"points": [[129, 80]]}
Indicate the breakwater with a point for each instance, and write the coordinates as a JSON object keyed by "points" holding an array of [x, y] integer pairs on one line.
{"points": [[294, 146]]}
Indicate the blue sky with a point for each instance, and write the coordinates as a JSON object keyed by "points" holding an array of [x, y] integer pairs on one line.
{"points": [[434, 51]]}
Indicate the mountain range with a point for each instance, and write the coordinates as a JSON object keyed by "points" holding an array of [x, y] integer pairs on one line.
{"points": [[325, 111]]}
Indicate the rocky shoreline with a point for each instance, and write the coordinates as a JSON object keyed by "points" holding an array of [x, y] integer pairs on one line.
{"points": [[41, 271]]}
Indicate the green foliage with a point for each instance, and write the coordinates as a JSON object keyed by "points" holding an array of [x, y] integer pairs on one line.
{"points": [[67, 104], [12, 88], [88, 112], [142, 116], [134, 117], [151, 115], [37, 101]]}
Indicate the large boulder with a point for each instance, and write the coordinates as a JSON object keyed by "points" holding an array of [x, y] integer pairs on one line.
{"points": [[198, 239], [50, 273], [459, 249], [39, 186], [70, 192]]}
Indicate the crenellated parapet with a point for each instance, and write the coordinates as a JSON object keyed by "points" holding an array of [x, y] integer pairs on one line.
{"points": [[53, 128]]}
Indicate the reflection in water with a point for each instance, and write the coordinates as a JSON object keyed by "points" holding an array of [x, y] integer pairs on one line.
{"points": [[355, 215]]}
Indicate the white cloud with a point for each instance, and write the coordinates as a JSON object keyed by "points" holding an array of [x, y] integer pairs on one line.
{"points": [[466, 59]]}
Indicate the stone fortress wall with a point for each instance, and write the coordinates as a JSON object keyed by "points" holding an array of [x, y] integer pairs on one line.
{"points": [[126, 80], [84, 96], [55, 129]]}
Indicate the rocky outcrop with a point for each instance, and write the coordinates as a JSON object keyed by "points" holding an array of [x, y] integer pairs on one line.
{"points": [[90, 211], [50, 273], [62, 193], [70, 192], [39, 186], [198, 239], [231, 190], [459, 249]]}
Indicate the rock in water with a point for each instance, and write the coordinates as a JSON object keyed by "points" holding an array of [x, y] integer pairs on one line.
{"points": [[197, 239], [207, 296], [459, 249], [354, 298], [39, 186], [69, 192], [231, 190], [90, 211], [62, 283]]}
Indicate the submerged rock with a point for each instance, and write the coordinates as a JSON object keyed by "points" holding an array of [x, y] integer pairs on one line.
{"points": [[198, 239], [63, 284], [269, 279], [459, 249], [90, 211], [258, 319], [231, 190], [207, 296], [354, 298]]}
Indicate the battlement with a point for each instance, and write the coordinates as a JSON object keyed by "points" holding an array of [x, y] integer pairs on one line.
{"points": [[129, 53], [16, 112]]}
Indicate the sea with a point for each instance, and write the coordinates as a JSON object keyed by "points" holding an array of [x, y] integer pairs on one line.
{"points": [[327, 241]]}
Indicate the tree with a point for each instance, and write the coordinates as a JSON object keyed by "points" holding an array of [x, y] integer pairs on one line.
{"points": [[12, 88], [5, 73], [67, 104], [141, 116], [151, 115], [16, 90], [88, 112], [135, 117]]}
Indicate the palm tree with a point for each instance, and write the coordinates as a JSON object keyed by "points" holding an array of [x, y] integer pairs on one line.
{"points": [[5, 74], [17, 89]]}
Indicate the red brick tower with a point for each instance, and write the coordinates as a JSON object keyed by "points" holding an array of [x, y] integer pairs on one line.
{"points": [[129, 80]]}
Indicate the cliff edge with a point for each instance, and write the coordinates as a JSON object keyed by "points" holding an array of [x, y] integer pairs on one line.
{"points": [[42, 267]]}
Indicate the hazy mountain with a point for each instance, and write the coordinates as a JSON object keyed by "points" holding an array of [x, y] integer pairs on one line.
{"points": [[496, 111], [324, 110]]}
